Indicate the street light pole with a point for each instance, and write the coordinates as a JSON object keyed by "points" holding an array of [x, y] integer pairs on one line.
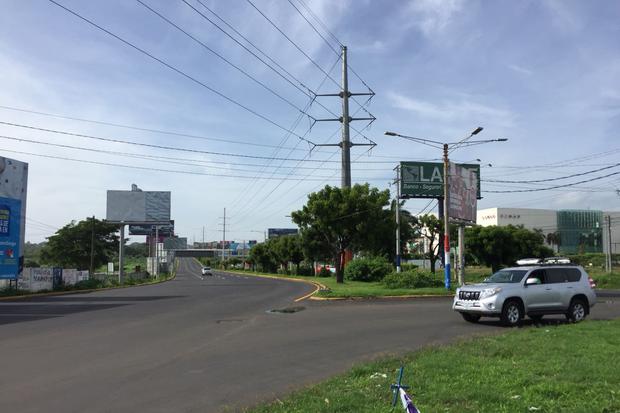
{"points": [[397, 208], [447, 148], [446, 218]]}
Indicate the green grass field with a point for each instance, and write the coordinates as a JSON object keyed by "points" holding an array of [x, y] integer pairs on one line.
{"points": [[565, 368]]}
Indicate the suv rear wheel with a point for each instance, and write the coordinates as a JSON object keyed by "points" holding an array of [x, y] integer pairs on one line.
{"points": [[512, 313], [472, 318], [577, 310]]}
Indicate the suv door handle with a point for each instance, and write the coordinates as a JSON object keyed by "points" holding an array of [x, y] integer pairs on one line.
{"points": [[548, 289]]}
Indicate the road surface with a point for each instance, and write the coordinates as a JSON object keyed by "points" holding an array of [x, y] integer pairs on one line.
{"points": [[202, 344]]}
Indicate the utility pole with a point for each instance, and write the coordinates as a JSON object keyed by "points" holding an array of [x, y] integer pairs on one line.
{"points": [[223, 235], [446, 218], [156, 251], [397, 208], [346, 144], [609, 261], [203, 236], [92, 246]]}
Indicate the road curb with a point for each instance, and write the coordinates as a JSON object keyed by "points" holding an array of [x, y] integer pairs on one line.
{"points": [[90, 290], [318, 285]]}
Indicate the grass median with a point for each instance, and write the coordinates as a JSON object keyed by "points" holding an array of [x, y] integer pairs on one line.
{"points": [[356, 289], [565, 368]]}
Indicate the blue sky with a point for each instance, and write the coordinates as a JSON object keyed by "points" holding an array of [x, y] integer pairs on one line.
{"points": [[544, 74]]}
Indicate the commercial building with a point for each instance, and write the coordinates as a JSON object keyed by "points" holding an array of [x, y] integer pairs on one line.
{"points": [[567, 231]]}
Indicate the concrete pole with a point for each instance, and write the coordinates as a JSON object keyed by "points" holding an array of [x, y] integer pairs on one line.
{"points": [[346, 143], [446, 218], [461, 255], [397, 208], [156, 251], [121, 253], [609, 252]]}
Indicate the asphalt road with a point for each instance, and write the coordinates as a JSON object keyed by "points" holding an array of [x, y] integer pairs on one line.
{"points": [[199, 344]]}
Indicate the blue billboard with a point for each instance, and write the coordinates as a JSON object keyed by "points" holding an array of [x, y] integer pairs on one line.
{"points": [[10, 237]]}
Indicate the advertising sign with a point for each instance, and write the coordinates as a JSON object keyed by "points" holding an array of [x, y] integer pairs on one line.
{"points": [[462, 197], [278, 232], [425, 179], [138, 206], [147, 229], [13, 184], [41, 279]]}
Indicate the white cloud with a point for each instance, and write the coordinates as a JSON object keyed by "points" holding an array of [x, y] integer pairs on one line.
{"points": [[434, 16], [466, 108], [562, 17], [520, 69]]}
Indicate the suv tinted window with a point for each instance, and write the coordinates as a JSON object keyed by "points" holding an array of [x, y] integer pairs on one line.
{"points": [[556, 275], [573, 274], [540, 274]]}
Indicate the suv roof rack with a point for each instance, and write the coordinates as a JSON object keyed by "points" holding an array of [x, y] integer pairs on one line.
{"points": [[544, 261]]}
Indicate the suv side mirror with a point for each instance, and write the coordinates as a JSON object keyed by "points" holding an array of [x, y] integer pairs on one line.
{"points": [[532, 281]]}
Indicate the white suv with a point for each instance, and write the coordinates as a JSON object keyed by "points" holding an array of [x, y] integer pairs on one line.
{"points": [[533, 290]]}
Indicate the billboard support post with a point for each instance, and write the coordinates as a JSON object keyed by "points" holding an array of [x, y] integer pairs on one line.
{"points": [[397, 208], [461, 255], [121, 248], [446, 218]]}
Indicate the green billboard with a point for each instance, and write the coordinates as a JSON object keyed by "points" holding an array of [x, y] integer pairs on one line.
{"points": [[425, 179]]}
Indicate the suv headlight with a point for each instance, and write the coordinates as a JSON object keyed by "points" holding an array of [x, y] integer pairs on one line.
{"points": [[489, 292]]}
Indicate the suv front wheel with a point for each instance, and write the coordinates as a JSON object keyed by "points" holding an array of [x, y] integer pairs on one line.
{"points": [[577, 310], [512, 313]]}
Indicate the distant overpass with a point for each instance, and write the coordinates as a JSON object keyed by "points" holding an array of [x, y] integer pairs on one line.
{"points": [[206, 252]]}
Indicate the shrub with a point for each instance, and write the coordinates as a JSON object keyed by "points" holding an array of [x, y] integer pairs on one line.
{"points": [[408, 266], [412, 279], [324, 272], [367, 269], [305, 270]]}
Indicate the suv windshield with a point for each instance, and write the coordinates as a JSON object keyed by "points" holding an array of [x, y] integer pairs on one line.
{"points": [[506, 276]]}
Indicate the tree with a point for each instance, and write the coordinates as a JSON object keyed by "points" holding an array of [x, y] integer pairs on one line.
{"points": [[497, 246], [288, 249], [381, 242], [260, 254], [430, 228], [70, 247], [342, 219]]}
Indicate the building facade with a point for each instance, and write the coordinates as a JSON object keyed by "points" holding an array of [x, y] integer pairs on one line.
{"points": [[566, 231]]}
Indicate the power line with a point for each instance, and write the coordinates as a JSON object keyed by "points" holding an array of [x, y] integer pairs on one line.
{"points": [[138, 128], [168, 160], [318, 19], [555, 187], [205, 46], [144, 168], [308, 91], [248, 202], [175, 69], [314, 28], [172, 148], [323, 25]]}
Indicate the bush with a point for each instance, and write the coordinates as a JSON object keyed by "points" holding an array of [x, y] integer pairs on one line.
{"points": [[408, 266], [324, 272], [412, 279], [305, 270], [367, 269]]}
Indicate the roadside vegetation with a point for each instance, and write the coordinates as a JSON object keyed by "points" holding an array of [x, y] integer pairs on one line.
{"points": [[555, 368], [91, 284]]}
